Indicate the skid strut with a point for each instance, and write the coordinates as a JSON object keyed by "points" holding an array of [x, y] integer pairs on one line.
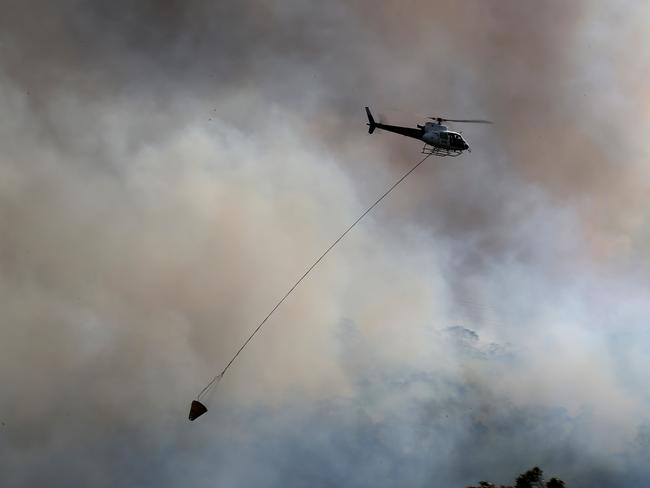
{"points": [[441, 152]]}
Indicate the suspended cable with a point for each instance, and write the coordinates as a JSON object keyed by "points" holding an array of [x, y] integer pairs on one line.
{"points": [[218, 376]]}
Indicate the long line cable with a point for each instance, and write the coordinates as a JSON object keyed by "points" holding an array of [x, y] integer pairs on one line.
{"points": [[218, 376]]}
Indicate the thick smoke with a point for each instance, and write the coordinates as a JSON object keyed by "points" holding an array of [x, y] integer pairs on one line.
{"points": [[168, 169]]}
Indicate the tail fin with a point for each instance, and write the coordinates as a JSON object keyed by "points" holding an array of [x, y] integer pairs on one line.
{"points": [[371, 122]]}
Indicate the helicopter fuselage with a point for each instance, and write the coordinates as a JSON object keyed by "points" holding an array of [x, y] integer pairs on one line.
{"points": [[438, 135], [438, 140], [441, 140]]}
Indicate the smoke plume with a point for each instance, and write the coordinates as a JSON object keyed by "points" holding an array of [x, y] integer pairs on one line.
{"points": [[169, 169]]}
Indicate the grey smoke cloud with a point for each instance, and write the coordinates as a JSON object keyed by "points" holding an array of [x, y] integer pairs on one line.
{"points": [[168, 169]]}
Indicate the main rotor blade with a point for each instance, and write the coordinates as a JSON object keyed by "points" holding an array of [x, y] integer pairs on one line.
{"points": [[470, 121], [466, 121]]}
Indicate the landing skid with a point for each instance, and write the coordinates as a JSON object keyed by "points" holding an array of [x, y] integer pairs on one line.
{"points": [[441, 152]]}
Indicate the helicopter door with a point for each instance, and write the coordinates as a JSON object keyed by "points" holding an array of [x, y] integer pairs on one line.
{"points": [[444, 139]]}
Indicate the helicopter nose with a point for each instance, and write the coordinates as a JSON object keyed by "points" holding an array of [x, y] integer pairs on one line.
{"points": [[465, 145]]}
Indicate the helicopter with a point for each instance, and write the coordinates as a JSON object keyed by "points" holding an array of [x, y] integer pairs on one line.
{"points": [[438, 140]]}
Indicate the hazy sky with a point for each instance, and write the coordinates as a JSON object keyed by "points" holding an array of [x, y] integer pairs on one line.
{"points": [[168, 170]]}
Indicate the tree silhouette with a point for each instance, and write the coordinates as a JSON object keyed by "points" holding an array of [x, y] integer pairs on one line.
{"points": [[530, 479], [533, 478], [555, 483]]}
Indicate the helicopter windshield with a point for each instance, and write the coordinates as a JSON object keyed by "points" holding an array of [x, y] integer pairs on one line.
{"points": [[456, 141]]}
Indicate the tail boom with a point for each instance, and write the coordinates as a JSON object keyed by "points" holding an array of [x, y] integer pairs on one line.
{"points": [[404, 131]]}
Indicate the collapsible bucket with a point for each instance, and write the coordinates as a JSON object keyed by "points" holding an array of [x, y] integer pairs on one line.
{"points": [[197, 409]]}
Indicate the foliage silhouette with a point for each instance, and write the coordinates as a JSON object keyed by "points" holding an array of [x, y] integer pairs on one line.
{"points": [[533, 478]]}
